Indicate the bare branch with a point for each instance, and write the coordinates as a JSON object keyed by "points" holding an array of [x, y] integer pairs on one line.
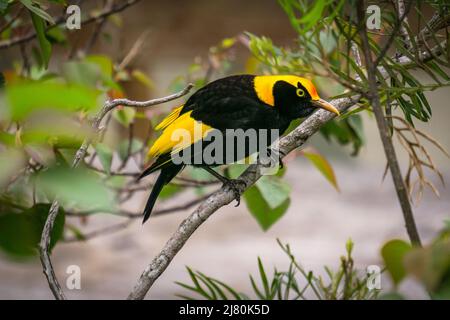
{"points": [[81, 153], [100, 232]]}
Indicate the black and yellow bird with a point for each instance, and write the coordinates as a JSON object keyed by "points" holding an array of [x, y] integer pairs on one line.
{"points": [[235, 102]]}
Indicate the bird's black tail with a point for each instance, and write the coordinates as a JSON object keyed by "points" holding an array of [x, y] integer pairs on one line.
{"points": [[166, 175]]}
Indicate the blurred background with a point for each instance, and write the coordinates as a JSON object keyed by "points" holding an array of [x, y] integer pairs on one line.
{"points": [[320, 219]]}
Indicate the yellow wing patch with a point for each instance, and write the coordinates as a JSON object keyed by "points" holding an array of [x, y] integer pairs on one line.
{"points": [[264, 86], [170, 118], [178, 134]]}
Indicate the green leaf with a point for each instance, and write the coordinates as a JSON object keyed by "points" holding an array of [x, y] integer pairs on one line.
{"points": [[260, 209], [57, 35], [20, 233], [91, 72], [103, 62], [393, 253], [44, 44], [105, 155], [263, 276], [25, 98], [323, 166], [143, 78], [314, 14], [125, 116], [169, 190], [274, 190], [345, 131], [3, 5], [75, 188], [136, 146], [34, 9]]}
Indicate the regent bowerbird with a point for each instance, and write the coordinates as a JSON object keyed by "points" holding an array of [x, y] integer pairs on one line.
{"points": [[245, 102]]}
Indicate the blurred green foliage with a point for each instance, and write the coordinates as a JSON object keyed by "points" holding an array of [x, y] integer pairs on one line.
{"points": [[21, 228], [430, 265]]}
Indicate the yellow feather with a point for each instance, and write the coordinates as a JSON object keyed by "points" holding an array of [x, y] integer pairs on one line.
{"points": [[179, 134], [264, 86], [170, 118]]}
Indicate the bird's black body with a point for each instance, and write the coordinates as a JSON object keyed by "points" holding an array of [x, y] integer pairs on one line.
{"points": [[232, 103], [239, 102]]}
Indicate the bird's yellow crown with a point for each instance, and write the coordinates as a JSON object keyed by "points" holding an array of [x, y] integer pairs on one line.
{"points": [[264, 86]]}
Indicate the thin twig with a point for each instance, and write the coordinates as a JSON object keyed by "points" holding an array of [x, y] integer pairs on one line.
{"points": [[99, 24], [129, 214], [100, 232]]}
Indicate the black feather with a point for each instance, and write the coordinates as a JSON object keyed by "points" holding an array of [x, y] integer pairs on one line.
{"points": [[167, 174]]}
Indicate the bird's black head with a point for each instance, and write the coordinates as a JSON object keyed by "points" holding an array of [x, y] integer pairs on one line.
{"points": [[293, 96], [293, 101]]}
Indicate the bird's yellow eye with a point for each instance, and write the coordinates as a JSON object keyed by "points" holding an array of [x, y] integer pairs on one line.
{"points": [[300, 92]]}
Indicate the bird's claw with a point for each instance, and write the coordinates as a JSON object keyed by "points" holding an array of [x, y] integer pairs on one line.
{"points": [[234, 185]]}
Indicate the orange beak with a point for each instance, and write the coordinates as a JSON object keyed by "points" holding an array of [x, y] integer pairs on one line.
{"points": [[325, 105]]}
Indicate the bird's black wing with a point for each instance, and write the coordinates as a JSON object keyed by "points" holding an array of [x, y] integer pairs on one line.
{"points": [[235, 113]]}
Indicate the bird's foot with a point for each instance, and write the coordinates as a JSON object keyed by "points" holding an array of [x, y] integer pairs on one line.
{"points": [[235, 186]]}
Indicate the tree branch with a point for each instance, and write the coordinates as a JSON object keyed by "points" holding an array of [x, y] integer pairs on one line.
{"points": [[61, 20], [384, 132], [54, 209]]}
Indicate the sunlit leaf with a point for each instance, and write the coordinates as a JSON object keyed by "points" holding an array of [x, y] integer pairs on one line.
{"points": [[322, 165], [274, 190], [103, 62], [125, 115], [28, 97], [393, 253], [261, 210], [75, 187], [143, 78]]}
